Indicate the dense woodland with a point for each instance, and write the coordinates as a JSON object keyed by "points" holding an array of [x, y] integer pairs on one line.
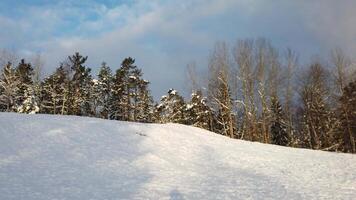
{"points": [[253, 92]]}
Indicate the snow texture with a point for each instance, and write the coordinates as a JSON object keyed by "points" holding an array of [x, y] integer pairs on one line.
{"points": [[68, 157]]}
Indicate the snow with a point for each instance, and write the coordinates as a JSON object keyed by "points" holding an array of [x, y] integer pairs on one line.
{"points": [[132, 77], [172, 91], [68, 157]]}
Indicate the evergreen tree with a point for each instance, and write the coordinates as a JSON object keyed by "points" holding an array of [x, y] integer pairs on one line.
{"points": [[29, 105], [172, 108], [9, 87], [79, 86], [144, 103], [348, 118], [54, 92], [199, 113], [24, 72], [278, 126], [130, 96], [104, 88]]}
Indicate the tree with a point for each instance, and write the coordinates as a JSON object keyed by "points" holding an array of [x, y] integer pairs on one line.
{"points": [[9, 87], [318, 121], [172, 108], [144, 102], [348, 117], [103, 89], [243, 54], [199, 113], [54, 92], [29, 105], [278, 127], [130, 93], [79, 86], [288, 92], [219, 90], [24, 72]]}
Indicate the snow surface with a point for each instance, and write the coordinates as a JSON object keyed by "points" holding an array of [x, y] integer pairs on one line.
{"points": [[68, 157]]}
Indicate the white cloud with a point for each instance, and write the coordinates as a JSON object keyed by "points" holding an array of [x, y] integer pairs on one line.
{"points": [[166, 35]]}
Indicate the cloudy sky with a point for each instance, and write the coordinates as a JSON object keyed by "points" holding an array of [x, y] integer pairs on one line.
{"points": [[164, 36]]}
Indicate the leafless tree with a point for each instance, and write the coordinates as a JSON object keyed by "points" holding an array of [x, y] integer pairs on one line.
{"points": [[219, 89], [243, 56]]}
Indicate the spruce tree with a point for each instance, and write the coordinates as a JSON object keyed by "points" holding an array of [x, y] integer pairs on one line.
{"points": [[29, 104], [105, 91], [278, 126], [24, 72], [199, 113], [172, 108]]}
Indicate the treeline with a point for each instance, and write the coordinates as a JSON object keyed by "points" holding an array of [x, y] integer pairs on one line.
{"points": [[253, 92]]}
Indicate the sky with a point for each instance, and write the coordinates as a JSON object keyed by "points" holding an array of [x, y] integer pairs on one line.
{"points": [[164, 36]]}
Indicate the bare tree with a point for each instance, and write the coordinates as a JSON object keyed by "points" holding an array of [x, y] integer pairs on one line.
{"points": [[290, 67], [341, 63], [243, 55], [319, 123], [38, 63], [193, 82], [219, 89], [264, 52]]}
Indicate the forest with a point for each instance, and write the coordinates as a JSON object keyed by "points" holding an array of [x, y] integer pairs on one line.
{"points": [[252, 91]]}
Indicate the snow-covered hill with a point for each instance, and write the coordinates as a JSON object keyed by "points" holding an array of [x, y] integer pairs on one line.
{"points": [[62, 157]]}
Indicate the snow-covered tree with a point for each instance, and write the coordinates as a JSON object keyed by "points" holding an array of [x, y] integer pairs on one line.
{"points": [[9, 87], [130, 95], [104, 89], [29, 105], [198, 112], [144, 103], [172, 108], [79, 86], [55, 92], [24, 72]]}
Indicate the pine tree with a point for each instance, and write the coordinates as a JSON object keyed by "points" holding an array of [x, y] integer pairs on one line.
{"points": [[54, 92], [121, 90], [172, 108], [9, 87], [278, 126], [348, 118], [199, 113], [79, 86], [131, 100]]}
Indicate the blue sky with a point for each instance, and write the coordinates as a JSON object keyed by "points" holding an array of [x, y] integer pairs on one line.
{"points": [[164, 36]]}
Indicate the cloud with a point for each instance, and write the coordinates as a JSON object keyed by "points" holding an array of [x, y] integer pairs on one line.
{"points": [[164, 36]]}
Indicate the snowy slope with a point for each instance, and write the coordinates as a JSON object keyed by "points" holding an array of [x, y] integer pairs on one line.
{"points": [[62, 157]]}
